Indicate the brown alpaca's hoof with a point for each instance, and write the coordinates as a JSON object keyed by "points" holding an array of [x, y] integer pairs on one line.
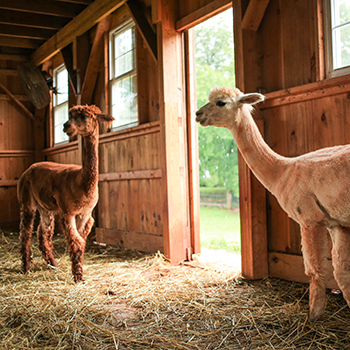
{"points": [[78, 278]]}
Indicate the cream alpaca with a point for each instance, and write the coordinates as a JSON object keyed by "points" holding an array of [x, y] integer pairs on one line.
{"points": [[68, 190], [314, 189]]}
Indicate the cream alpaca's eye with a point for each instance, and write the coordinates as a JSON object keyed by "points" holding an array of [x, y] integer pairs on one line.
{"points": [[221, 104]]}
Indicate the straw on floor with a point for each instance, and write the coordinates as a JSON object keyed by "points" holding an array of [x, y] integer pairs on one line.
{"points": [[135, 301]]}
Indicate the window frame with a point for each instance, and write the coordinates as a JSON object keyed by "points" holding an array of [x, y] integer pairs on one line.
{"points": [[55, 104], [328, 35], [131, 73]]}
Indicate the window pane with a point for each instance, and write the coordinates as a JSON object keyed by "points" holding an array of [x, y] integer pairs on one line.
{"points": [[124, 52], [60, 117], [341, 12], [341, 46], [124, 101], [62, 86]]}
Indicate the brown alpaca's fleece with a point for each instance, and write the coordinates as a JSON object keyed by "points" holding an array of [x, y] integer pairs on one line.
{"points": [[68, 190]]}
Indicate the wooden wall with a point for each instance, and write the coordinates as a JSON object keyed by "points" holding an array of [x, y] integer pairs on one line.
{"points": [[16, 139]]}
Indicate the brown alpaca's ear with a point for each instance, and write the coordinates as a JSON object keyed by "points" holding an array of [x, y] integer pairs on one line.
{"points": [[104, 117]]}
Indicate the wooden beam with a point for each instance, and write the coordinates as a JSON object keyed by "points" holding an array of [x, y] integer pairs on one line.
{"points": [[93, 14], [25, 32], [11, 57], [202, 14], [67, 54], [52, 8], [32, 19], [95, 63], [147, 33], [254, 14], [8, 183], [19, 42], [18, 103]]}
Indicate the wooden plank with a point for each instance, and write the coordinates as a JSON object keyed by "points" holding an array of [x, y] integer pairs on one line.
{"points": [[291, 268], [21, 43], [131, 175], [93, 14], [146, 31], [17, 102], [15, 153], [5, 97], [202, 14], [8, 183], [25, 32], [306, 92], [192, 132], [12, 57], [130, 240], [95, 63], [254, 14], [8, 72]]}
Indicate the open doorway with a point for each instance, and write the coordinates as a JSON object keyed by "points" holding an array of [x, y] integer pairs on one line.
{"points": [[218, 157]]}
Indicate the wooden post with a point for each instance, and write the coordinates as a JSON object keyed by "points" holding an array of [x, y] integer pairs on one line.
{"points": [[252, 195], [176, 233]]}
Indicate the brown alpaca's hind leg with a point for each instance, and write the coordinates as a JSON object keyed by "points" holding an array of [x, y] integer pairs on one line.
{"points": [[26, 228], [341, 259], [84, 225], [45, 233], [76, 246], [315, 251]]}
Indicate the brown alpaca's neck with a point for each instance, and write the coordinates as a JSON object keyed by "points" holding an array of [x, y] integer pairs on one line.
{"points": [[90, 161], [267, 165]]}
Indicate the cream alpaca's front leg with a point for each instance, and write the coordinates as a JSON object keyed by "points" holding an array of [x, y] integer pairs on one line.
{"points": [[315, 251], [341, 259], [76, 246]]}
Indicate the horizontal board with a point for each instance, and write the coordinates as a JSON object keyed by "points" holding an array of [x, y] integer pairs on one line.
{"points": [[291, 268], [132, 175], [130, 240]]}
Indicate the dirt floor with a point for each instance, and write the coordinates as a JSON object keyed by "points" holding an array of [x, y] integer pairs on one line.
{"points": [[135, 301]]}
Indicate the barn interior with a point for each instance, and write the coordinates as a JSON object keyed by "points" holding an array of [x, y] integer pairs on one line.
{"points": [[148, 159]]}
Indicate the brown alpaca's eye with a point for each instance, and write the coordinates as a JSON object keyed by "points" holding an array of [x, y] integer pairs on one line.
{"points": [[221, 104], [83, 117]]}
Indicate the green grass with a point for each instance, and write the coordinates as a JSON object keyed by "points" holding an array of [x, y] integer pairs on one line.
{"points": [[220, 229]]}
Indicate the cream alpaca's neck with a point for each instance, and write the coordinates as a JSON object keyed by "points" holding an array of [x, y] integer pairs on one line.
{"points": [[90, 161], [266, 165]]}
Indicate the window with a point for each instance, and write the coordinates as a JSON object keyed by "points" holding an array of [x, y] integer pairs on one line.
{"points": [[338, 36], [123, 84], [60, 104]]}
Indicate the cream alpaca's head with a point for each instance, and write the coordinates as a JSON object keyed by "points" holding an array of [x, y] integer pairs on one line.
{"points": [[224, 106], [83, 120]]}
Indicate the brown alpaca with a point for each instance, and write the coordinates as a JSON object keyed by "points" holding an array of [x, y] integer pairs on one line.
{"points": [[68, 190], [314, 189]]}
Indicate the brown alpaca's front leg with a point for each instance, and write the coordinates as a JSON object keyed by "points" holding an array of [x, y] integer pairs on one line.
{"points": [[45, 233], [341, 259], [76, 246], [26, 228], [315, 252]]}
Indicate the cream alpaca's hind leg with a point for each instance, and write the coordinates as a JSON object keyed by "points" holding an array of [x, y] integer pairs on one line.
{"points": [[315, 252], [341, 259], [45, 233]]}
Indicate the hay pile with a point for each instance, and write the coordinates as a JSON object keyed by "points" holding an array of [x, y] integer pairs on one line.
{"points": [[134, 301]]}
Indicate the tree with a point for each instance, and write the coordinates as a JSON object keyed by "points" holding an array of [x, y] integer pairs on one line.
{"points": [[218, 164]]}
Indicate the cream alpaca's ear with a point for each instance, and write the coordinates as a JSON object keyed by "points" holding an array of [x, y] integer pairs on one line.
{"points": [[251, 99], [104, 117]]}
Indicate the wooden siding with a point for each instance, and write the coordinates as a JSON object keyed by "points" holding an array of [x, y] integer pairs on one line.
{"points": [[16, 141]]}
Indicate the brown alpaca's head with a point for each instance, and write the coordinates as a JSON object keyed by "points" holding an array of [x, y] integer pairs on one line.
{"points": [[224, 106], [83, 120]]}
